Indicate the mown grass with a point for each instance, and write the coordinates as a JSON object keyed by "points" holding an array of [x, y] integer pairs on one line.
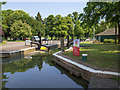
{"points": [[17, 40], [100, 55], [3, 43]]}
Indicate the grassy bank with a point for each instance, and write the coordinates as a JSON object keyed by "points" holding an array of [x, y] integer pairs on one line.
{"points": [[3, 43], [17, 40], [101, 55]]}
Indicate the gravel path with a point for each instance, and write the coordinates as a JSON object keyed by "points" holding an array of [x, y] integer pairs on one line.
{"points": [[13, 46]]}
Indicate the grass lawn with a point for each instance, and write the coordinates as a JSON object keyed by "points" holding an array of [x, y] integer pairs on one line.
{"points": [[17, 40], [3, 43], [101, 55]]}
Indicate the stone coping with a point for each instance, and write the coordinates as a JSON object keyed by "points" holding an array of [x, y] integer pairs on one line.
{"points": [[84, 67], [4, 52]]}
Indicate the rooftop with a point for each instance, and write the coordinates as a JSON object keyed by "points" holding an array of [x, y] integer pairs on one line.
{"points": [[110, 31]]}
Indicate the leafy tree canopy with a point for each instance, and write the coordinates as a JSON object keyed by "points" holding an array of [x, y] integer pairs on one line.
{"points": [[20, 30]]}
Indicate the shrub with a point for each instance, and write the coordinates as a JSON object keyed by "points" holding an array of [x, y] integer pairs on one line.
{"points": [[109, 41]]}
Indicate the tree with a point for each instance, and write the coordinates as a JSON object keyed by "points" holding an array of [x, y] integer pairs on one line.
{"points": [[58, 22], [18, 15], [70, 31], [62, 30], [5, 22], [20, 30], [40, 27], [50, 24], [102, 26], [110, 11], [76, 18], [38, 17], [78, 30], [1, 3], [10, 16]]}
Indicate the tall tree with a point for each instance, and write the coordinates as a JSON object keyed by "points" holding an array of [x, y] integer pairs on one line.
{"points": [[1, 3], [20, 30], [50, 24], [5, 22], [78, 30], [40, 27], [38, 17], [58, 22], [70, 31], [110, 11]]}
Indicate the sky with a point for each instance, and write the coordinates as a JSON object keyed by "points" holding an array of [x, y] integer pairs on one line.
{"points": [[46, 8]]}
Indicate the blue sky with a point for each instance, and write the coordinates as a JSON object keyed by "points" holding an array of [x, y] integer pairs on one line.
{"points": [[46, 8]]}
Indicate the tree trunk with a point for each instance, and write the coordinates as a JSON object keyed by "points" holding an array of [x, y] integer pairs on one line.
{"points": [[115, 34], [51, 37], [62, 44], [72, 37], [68, 41], [39, 35], [5, 37], [40, 41], [118, 32], [55, 37]]}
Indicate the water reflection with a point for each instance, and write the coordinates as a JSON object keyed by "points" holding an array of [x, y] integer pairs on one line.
{"points": [[39, 72]]}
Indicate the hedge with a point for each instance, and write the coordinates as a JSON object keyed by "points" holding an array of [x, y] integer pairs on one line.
{"points": [[109, 41]]}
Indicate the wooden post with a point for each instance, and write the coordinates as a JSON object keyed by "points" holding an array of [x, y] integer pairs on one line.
{"points": [[62, 44]]}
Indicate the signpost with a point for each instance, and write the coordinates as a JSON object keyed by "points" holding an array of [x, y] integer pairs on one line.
{"points": [[76, 48]]}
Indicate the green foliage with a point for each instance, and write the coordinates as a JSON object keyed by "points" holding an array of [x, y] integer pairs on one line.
{"points": [[49, 23], [109, 41], [20, 30], [58, 26], [40, 27], [70, 25], [2, 3], [38, 17], [5, 22], [95, 11], [18, 15], [9, 17], [3, 43], [78, 30]]}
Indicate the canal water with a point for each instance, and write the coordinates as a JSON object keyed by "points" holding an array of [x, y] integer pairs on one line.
{"points": [[38, 72]]}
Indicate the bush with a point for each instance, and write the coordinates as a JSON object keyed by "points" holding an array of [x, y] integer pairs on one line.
{"points": [[109, 41]]}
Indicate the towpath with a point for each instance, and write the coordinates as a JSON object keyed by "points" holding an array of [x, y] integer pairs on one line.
{"points": [[13, 46]]}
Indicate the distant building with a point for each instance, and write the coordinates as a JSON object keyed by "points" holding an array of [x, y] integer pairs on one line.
{"points": [[107, 34]]}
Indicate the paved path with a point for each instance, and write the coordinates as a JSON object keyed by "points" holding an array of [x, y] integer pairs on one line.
{"points": [[13, 46]]}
